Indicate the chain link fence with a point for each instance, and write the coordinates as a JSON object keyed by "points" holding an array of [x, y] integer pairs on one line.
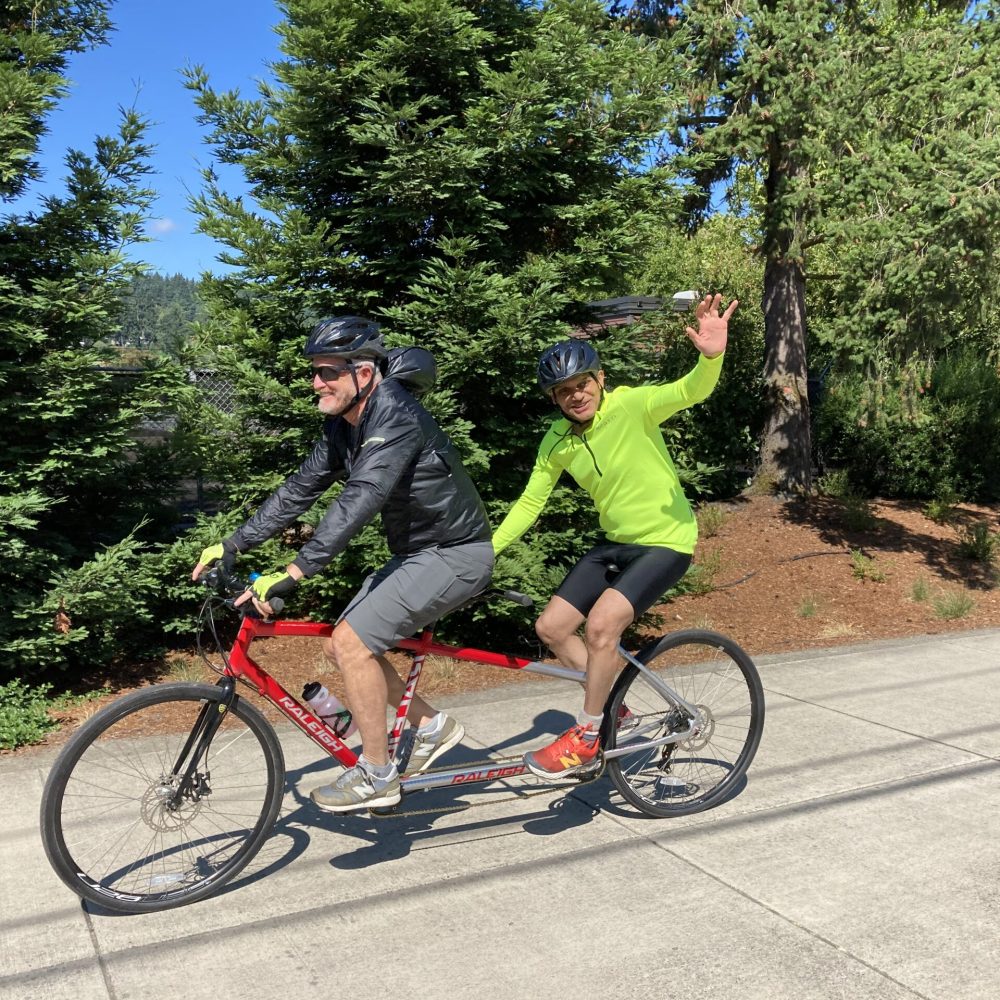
{"points": [[217, 389]]}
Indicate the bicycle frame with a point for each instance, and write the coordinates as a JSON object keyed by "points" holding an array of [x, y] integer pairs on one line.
{"points": [[240, 665]]}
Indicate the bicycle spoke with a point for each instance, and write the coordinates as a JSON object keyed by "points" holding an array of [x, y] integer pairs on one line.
{"points": [[713, 748], [122, 823]]}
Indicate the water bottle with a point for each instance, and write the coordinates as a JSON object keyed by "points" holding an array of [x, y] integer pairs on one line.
{"points": [[329, 708]]}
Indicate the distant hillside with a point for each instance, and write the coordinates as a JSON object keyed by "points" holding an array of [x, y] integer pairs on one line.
{"points": [[158, 312]]}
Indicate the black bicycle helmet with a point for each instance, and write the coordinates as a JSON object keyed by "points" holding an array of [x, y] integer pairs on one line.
{"points": [[564, 361], [346, 337]]}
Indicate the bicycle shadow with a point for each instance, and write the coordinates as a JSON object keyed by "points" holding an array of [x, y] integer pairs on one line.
{"points": [[375, 840], [389, 838]]}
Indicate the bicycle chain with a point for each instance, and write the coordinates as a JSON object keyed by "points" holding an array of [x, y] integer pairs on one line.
{"points": [[395, 812]]}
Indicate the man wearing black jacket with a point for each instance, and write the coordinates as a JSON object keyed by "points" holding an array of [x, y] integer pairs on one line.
{"points": [[396, 461]]}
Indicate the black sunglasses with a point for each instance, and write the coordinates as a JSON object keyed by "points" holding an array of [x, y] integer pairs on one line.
{"points": [[330, 373]]}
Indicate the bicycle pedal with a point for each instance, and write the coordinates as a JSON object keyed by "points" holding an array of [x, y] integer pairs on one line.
{"points": [[384, 811], [592, 773]]}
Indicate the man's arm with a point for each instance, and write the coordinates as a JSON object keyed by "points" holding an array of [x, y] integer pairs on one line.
{"points": [[293, 498], [710, 338], [662, 401]]}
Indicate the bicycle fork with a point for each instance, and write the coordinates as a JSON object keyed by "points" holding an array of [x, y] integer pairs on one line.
{"points": [[193, 784]]}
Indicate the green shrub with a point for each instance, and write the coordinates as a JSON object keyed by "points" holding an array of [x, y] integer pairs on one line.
{"points": [[24, 714], [701, 577], [858, 514], [953, 604], [808, 607], [710, 520], [914, 431], [864, 567], [941, 509], [979, 543], [836, 484]]}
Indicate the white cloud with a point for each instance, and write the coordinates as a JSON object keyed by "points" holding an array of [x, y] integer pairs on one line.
{"points": [[163, 226]]}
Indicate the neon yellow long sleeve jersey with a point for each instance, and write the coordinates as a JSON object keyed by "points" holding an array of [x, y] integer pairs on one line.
{"points": [[622, 462]]}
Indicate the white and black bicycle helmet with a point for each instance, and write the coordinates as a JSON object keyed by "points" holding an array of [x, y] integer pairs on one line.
{"points": [[566, 360]]}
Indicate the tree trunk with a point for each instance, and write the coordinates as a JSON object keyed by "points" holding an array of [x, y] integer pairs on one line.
{"points": [[786, 450]]}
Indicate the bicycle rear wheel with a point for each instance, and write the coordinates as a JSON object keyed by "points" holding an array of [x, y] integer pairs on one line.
{"points": [[123, 828], [707, 670]]}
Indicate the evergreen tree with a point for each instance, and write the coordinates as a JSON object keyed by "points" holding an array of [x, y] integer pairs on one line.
{"points": [[913, 228], [842, 113], [63, 469], [158, 311], [470, 174]]}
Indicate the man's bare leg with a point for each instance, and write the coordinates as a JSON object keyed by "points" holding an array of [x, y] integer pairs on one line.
{"points": [[420, 712], [557, 626], [365, 688]]}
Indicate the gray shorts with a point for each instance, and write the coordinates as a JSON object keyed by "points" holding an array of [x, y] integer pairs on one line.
{"points": [[409, 592]]}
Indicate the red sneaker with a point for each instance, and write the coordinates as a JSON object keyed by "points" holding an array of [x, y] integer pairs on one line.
{"points": [[569, 754], [626, 719]]}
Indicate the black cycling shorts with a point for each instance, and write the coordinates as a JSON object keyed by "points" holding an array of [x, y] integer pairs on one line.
{"points": [[641, 573]]}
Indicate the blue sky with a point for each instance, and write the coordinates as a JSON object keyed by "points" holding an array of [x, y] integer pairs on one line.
{"points": [[155, 39]]}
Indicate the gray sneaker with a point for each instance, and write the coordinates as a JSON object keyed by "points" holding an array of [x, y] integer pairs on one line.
{"points": [[357, 789], [426, 750]]}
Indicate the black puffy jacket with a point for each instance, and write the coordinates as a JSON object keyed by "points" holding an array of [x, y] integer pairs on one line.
{"points": [[396, 461]]}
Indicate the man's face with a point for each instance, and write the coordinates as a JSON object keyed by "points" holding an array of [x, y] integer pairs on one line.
{"points": [[333, 383], [580, 396]]}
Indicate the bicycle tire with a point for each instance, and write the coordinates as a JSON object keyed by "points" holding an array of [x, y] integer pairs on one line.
{"points": [[708, 670], [107, 826]]}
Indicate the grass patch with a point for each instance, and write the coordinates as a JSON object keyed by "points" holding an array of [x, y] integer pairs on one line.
{"points": [[710, 520], [953, 604], [941, 509], [701, 578], [836, 484], [978, 543], [858, 514], [808, 607], [864, 567], [839, 630], [25, 712], [920, 590], [185, 668]]}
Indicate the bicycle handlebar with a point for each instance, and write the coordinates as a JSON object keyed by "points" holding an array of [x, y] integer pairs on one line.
{"points": [[230, 586], [517, 597]]}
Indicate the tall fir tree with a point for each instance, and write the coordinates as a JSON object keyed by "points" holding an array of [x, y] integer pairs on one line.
{"points": [[66, 423], [468, 173], [840, 113]]}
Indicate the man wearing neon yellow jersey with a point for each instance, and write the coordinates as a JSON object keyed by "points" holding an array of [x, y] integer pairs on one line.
{"points": [[610, 443]]}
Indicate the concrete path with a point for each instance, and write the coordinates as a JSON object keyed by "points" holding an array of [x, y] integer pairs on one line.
{"points": [[861, 860]]}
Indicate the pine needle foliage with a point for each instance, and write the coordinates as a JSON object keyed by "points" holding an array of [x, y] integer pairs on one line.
{"points": [[468, 173], [71, 483]]}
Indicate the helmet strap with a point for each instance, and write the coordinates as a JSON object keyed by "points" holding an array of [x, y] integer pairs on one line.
{"points": [[359, 393]]}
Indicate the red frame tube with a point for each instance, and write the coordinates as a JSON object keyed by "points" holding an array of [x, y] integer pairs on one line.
{"points": [[242, 666]]}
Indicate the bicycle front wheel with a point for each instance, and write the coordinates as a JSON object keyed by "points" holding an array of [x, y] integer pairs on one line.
{"points": [[711, 673], [136, 818]]}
